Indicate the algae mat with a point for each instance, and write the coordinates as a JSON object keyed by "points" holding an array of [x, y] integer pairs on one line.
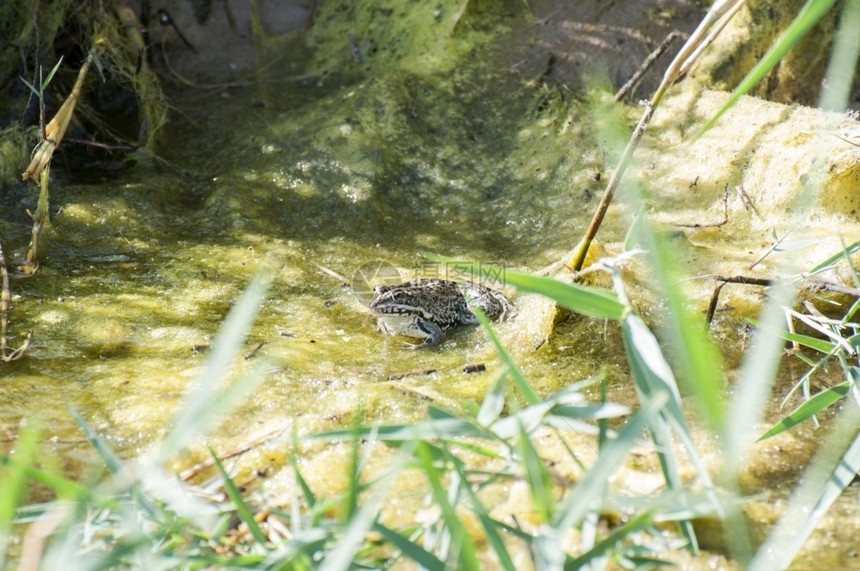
{"points": [[483, 160]]}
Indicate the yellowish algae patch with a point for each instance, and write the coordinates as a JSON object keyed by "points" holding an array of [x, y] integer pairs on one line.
{"points": [[764, 168], [426, 153], [750, 34]]}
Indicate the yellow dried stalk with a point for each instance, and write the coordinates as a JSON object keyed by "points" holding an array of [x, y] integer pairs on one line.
{"points": [[56, 129]]}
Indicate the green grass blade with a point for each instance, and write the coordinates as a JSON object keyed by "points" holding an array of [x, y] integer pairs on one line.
{"points": [[591, 301], [650, 370], [747, 404], [297, 554], [13, 474], [757, 374], [809, 408], [804, 340], [393, 433], [593, 485], [493, 403], [31, 87], [520, 381], [50, 77], [618, 534], [837, 83], [235, 496], [697, 360], [464, 546], [111, 460], [828, 264], [310, 498], [811, 12], [559, 409], [537, 477], [62, 488], [490, 526], [829, 473], [196, 410], [631, 239], [411, 549], [341, 558]]}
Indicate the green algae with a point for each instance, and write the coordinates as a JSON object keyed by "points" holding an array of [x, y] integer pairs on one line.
{"points": [[417, 149], [437, 36], [139, 269]]}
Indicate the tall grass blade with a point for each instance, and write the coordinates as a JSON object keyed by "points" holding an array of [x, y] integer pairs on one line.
{"points": [[811, 12], [830, 472], [652, 374], [13, 474], [411, 549], [809, 408], [828, 264], [522, 384], [537, 477], [364, 517], [235, 496], [650, 370], [747, 404], [307, 493], [804, 340], [588, 491], [428, 429], [51, 74], [463, 546], [591, 301], [493, 403], [836, 87], [197, 410], [111, 460], [637, 523], [696, 356], [490, 526]]}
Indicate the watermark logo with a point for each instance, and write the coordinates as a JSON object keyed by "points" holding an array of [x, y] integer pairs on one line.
{"points": [[371, 274]]}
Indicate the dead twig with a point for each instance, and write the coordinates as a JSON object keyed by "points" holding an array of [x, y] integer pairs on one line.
{"points": [[817, 285], [398, 376], [256, 348], [192, 471], [714, 21], [746, 200], [646, 65], [713, 224], [5, 305], [56, 128]]}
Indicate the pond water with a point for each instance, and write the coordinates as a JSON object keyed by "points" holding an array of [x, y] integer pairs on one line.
{"points": [[139, 270], [313, 179]]}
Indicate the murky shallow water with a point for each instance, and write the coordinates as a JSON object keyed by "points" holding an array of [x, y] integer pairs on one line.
{"points": [[141, 269]]}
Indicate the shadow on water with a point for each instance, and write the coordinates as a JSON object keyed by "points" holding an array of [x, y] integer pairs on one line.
{"points": [[142, 264]]}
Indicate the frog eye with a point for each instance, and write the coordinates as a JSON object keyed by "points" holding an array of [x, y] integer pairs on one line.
{"points": [[398, 296]]}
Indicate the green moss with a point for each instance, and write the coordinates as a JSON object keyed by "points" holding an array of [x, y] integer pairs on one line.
{"points": [[411, 35]]}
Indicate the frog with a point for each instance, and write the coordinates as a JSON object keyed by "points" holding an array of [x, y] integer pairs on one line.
{"points": [[426, 308]]}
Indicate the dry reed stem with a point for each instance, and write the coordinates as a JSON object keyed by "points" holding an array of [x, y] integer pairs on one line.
{"points": [[56, 128], [5, 306], [711, 25]]}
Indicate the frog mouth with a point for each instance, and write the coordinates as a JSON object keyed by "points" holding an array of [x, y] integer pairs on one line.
{"points": [[399, 311]]}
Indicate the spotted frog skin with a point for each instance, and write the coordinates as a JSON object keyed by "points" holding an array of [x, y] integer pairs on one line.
{"points": [[426, 308]]}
